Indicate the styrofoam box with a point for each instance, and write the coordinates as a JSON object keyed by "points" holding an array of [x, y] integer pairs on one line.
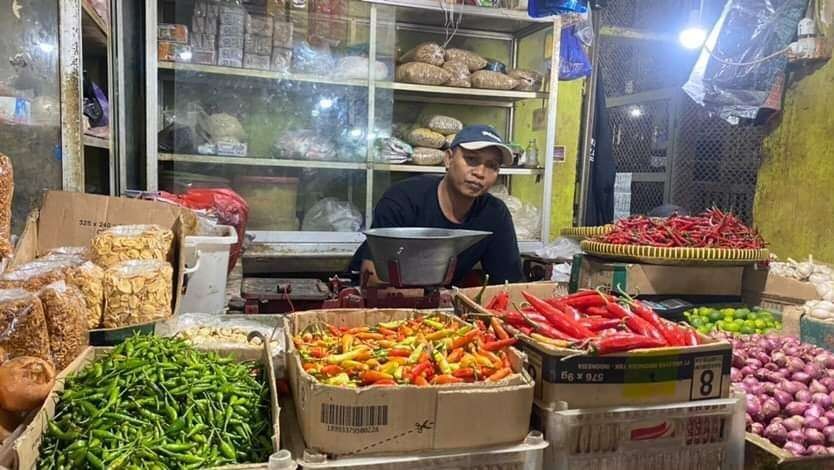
{"points": [[683, 436], [525, 456]]}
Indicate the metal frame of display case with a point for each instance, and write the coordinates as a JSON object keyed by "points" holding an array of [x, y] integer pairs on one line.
{"points": [[508, 25]]}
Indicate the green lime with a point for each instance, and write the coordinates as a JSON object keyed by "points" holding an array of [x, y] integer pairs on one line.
{"points": [[715, 315], [742, 313], [746, 330], [761, 324], [704, 330], [758, 331], [738, 321], [733, 327]]}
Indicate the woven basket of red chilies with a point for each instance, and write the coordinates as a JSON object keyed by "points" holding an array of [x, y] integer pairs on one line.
{"points": [[581, 233], [713, 237]]}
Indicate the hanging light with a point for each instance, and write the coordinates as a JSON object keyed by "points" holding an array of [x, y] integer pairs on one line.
{"points": [[635, 111], [694, 35]]}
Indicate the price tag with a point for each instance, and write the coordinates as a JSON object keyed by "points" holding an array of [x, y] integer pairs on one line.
{"points": [[706, 378]]}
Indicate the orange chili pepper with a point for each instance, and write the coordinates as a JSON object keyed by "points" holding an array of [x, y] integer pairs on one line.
{"points": [[369, 335], [387, 332], [424, 357], [499, 374], [318, 353], [421, 381], [398, 359], [465, 339], [364, 355], [358, 329], [372, 376], [446, 379], [455, 356], [506, 360], [308, 365], [399, 352], [499, 330], [331, 369], [335, 331], [385, 383], [465, 373], [489, 355]]}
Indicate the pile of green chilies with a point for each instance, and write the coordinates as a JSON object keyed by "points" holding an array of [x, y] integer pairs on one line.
{"points": [[158, 403]]}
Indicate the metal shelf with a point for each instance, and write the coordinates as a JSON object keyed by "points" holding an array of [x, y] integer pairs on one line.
{"points": [[261, 74], [98, 31], [430, 13], [250, 161], [97, 142], [405, 168], [463, 93]]}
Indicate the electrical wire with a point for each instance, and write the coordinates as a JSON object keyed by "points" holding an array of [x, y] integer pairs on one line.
{"points": [[450, 23], [745, 64]]}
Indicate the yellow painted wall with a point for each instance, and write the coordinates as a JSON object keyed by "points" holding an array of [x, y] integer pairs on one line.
{"points": [[568, 130], [794, 207]]}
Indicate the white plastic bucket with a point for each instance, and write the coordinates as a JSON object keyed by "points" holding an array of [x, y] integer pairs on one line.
{"points": [[206, 265]]}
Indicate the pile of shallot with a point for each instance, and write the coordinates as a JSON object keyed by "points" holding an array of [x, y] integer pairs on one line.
{"points": [[790, 389]]}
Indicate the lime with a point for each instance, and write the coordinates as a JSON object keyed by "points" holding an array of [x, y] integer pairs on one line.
{"points": [[746, 330], [704, 330], [715, 315], [733, 327], [758, 331], [742, 313], [760, 324]]}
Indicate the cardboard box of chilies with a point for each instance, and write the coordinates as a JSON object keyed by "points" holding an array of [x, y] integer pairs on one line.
{"points": [[641, 377], [406, 418], [23, 453]]}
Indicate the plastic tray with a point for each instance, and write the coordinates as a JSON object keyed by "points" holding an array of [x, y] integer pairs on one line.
{"points": [[685, 436]]}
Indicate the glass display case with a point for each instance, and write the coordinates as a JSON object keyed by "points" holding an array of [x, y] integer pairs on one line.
{"points": [[40, 99], [306, 109]]}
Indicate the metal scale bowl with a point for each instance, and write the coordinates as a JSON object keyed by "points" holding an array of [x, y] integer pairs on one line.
{"points": [[414, 262]]}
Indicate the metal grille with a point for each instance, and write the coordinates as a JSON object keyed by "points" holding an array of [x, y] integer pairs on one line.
{"points": [[640, 136], [646, 196], [652, 121], [717, 163]]}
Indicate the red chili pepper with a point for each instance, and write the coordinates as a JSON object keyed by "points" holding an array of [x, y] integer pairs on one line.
{"points": [[547, 330], [499, 302], [601, 312], [557, 318], [567, 309], [499, 330], [598, 324], [419, 370], [671, 335], [586, 301], [624, 342], [527, 330], [498, 345]]}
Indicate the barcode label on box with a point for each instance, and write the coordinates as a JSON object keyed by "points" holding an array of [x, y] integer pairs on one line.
{"points": [[354, 419]]}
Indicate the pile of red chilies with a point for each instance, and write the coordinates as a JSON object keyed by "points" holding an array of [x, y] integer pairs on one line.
{"points": [[592, 320], [712, 229]]}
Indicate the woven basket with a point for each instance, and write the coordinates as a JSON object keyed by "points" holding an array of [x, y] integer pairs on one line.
{"points": [[676, 255], [581, 233]]}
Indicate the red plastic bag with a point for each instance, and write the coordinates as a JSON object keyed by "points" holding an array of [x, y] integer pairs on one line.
{"points": [[225, 205]]}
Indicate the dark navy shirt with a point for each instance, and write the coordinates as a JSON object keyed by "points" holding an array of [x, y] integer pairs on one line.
{"points": [[414, 203]]}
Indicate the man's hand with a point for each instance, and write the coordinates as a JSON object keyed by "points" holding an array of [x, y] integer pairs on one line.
{"points": [[368, 272]]}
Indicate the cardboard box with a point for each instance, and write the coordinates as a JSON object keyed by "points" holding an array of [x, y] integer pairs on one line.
{"points": [[281, 60], [259, 24], [256, 62], [230, 53], [650, 279], [203, 57], [73, 219], [818, 332], [463, 297], [235, 42], [232, 16], [204, 24], [282, 33], [765, 289], [257, 45], [25, 450], [173, 52], [230, 30], [406, 418], [572, 378], [172, 32], [759, 453], [203, 42]]}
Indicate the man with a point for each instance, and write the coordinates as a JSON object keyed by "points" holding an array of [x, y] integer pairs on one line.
{"points": [[458, 200]]}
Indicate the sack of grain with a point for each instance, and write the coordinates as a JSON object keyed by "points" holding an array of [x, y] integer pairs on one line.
{"points": [[444, 124], [427, 157], [473, 61], [493, 80], [460, 74], [422, 74], [422, 137], [528, 80], [427, 53], [449, 139]]}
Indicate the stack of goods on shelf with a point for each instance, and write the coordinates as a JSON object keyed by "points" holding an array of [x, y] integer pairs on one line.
{"points": [[173, 43], [204, 33], [257, 44], [436, 133], [230, 36], [431, 64]]}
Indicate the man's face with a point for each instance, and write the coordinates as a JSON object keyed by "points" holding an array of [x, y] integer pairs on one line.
{"points": [[472, 172]]}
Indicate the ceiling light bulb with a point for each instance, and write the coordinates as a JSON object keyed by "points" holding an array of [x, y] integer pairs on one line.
{"points": [[693, 37]]}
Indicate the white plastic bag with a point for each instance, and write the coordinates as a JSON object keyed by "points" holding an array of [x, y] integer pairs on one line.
{"points": [[561, 248], [525, 216], [356, 67], [332, 215]]}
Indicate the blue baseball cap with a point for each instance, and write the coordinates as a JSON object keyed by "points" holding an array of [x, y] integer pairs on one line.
{"points": [[477, 137]]}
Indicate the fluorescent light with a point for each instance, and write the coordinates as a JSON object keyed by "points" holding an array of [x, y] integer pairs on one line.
{"points": [[693, 37], [635, 112], [325, 103], [185, 55], [46, 47]]}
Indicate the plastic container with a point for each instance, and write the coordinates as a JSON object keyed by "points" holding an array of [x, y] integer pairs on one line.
{"points": [[207, 261], [272, 201], [684, 436], [528, 455]]}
